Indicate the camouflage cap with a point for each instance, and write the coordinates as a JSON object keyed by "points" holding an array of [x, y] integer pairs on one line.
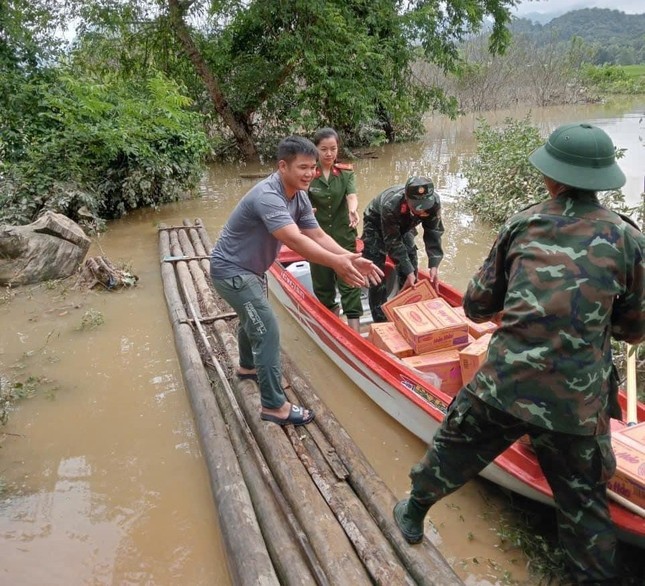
{"points": [[579, 155], [420, 194]]}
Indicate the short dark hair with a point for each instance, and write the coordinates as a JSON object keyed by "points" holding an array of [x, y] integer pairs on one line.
{"points": [[323, 133], [292, 146]]}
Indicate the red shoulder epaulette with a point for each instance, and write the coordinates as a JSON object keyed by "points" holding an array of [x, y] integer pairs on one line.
{"points": [[344, 166]]}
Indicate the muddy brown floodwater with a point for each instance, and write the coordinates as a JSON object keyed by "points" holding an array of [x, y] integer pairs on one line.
{"points": [[105, 483]]}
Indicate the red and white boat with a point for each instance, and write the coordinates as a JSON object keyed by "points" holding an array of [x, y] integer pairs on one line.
{"points": [[409, 398]]}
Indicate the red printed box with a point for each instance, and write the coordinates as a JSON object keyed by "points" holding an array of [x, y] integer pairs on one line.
{"points": [[473, 356], [430, 331], [443, 313], [418, 292], [474, 329], [444, 364], [629, 449], [386, 337]]}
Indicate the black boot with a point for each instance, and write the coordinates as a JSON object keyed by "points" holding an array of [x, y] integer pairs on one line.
{"points": [[409, 515]]}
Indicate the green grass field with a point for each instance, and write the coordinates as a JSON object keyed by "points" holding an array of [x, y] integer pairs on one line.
{"points": [[634, 71]]}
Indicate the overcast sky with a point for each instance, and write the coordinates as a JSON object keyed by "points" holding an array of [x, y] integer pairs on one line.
{"points": [[560, 6]]}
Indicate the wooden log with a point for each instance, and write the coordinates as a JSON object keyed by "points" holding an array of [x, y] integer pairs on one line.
{"points": [[201, 244], [424, 562], [374, 550], [201, 284], [249, 560], [335, 551], [284, 534]]}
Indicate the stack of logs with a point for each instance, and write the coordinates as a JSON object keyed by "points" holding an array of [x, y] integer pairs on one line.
{"points": [[296, 505]]}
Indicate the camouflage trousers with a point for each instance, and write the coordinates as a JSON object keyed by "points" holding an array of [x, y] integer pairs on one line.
{"points": [[374, 250], [576, 467]]}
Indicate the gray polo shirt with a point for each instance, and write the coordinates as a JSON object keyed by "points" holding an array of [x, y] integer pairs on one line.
{"points": [[247, 244]]}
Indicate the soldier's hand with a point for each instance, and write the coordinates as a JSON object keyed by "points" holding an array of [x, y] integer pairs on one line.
{"points": [[434, 277], [409, 281]]}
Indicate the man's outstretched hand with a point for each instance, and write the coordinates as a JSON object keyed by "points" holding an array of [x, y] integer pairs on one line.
{"points": [[358, 271], [369, 270]]}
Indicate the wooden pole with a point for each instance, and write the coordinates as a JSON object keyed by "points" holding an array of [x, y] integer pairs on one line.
{"points": [[630, 385], [374, 550], [424, 562], [239, 527]]}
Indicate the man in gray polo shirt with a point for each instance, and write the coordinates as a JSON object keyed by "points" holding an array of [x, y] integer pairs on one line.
{"points": [[275, 211]]}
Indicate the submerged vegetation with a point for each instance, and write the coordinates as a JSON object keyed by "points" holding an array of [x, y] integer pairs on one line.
{"points": [[501, 181]]}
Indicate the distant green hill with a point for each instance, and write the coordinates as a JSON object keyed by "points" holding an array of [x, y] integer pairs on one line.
{"points": [[616, 37]]}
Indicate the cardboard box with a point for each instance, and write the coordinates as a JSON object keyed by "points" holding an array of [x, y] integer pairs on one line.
{"points": [[633, 434], [443, 313], [629, 449], [473, 356], [386, 337], [430, 325], [444, 364], [474, 329], [418, 292]]}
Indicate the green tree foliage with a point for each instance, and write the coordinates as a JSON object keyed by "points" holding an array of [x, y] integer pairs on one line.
{"points": [[27, 41], [501, 181], [273, 67], [616, 37], [106, 145]]}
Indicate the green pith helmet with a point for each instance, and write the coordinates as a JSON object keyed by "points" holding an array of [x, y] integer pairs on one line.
{"points": [[579, 155], [419, 192]]}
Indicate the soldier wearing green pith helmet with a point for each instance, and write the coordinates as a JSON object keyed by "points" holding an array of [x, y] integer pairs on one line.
{"points": [[563, 276]]}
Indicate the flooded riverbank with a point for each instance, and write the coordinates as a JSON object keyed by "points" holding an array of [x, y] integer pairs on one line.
{"points": [[105, 479]]}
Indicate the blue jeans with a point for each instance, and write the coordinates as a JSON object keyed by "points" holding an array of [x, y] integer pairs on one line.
{"points": [[258, 335]]}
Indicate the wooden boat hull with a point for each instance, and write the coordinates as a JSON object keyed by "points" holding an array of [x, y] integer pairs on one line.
{"points": [[412, 401]]}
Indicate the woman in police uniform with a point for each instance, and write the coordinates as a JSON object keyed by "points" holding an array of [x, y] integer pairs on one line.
{"points": [[333, 197]]}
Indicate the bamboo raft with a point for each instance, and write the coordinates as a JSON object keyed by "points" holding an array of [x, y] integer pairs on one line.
{"points": [[296, 505]]}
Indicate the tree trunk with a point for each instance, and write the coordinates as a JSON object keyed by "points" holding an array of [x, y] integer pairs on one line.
{"points": [[240, 131]]}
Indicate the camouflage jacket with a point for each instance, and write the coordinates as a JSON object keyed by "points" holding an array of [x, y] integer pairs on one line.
{"points": [[566, 275], [388, 218]]}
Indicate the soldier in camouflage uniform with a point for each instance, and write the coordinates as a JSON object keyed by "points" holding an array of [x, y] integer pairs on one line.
{"points": [[389, 228], [565, 275]]}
